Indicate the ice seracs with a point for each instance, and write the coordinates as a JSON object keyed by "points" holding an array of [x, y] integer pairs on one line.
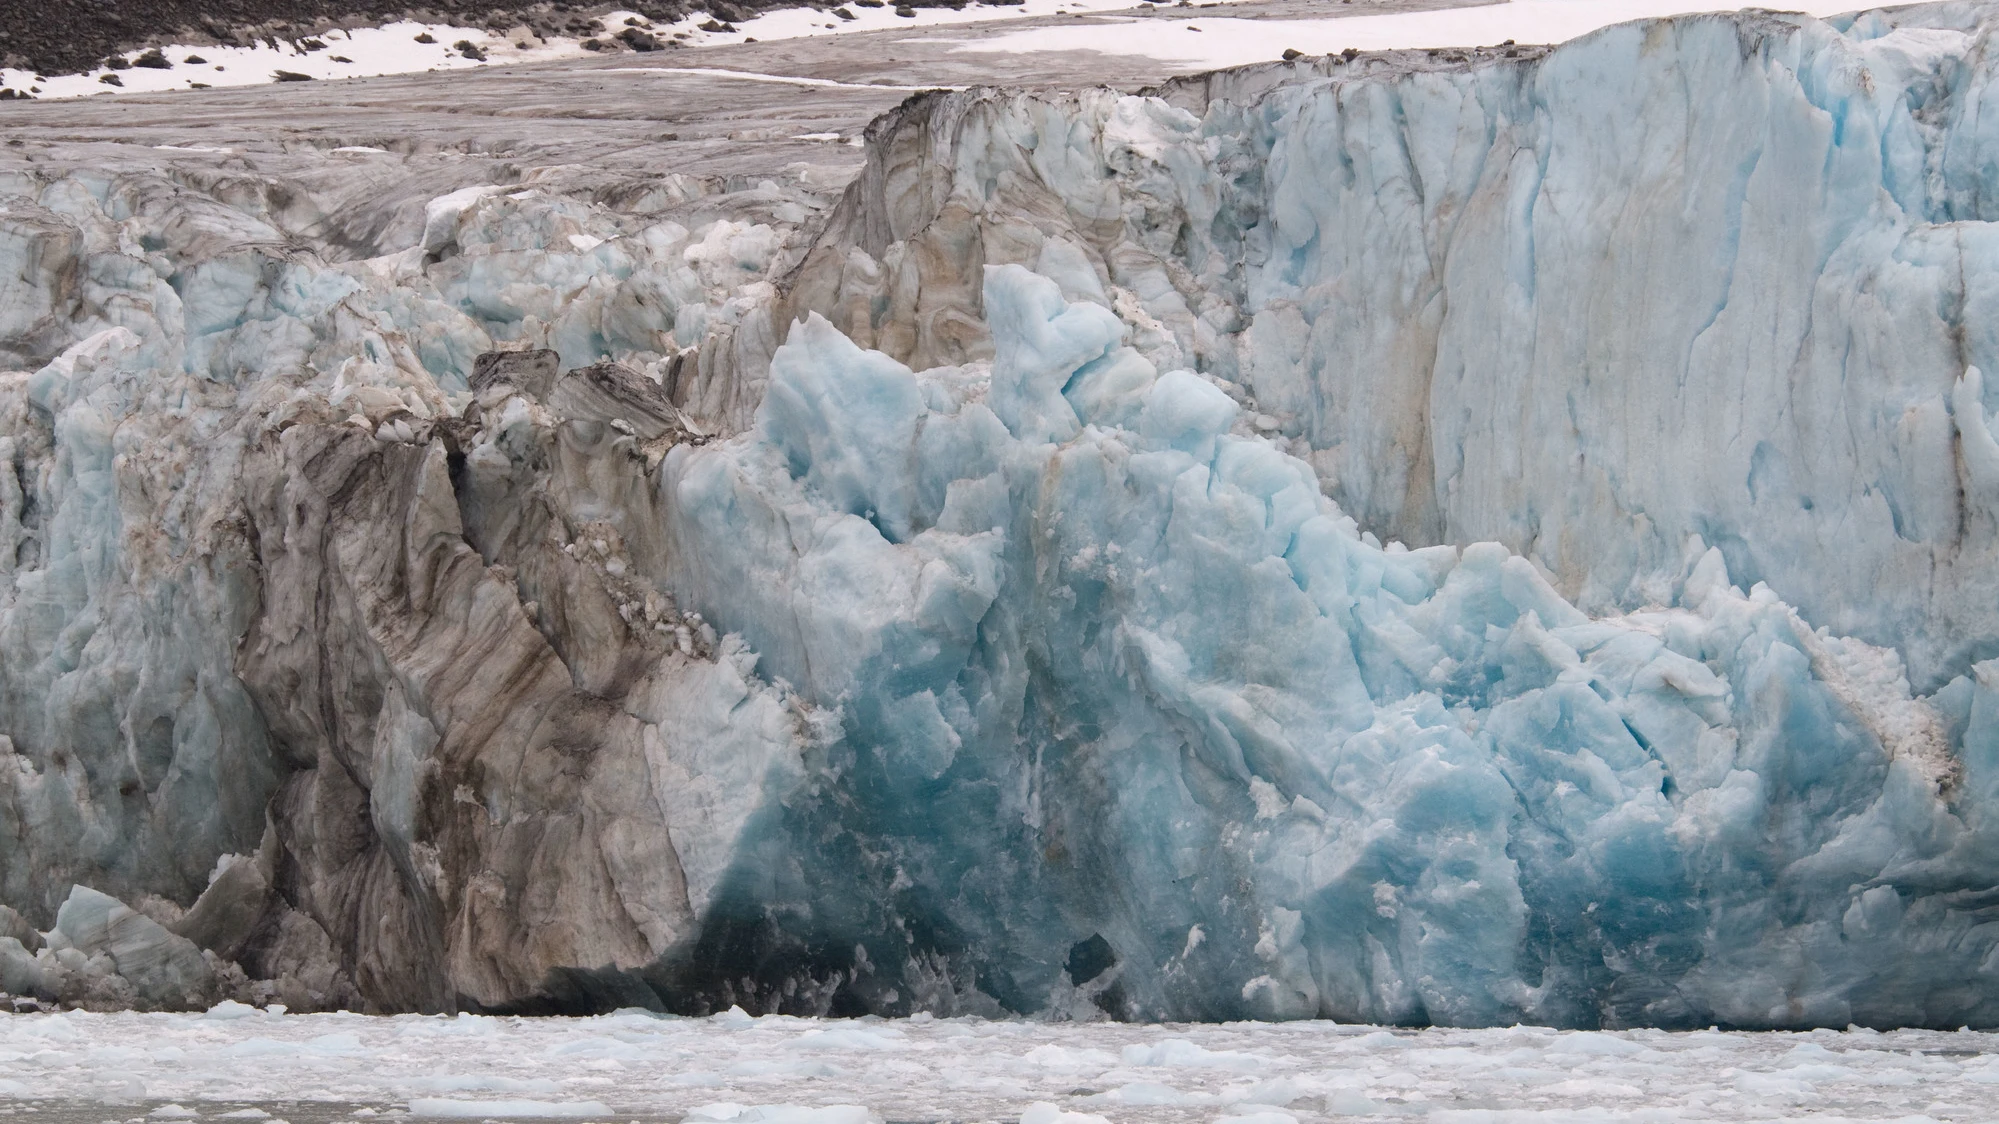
{"points": [[1402, 538], [1144, 657]]}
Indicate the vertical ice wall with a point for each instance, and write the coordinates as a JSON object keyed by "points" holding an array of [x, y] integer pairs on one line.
{"points": [[495, 622], [1716, 276], [1130, 717]]}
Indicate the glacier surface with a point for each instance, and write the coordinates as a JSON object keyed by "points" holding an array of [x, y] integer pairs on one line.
{"points": [[1439, 537]]}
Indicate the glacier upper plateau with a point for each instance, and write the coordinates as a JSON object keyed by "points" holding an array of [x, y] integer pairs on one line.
{"points": [[1452, 537]]}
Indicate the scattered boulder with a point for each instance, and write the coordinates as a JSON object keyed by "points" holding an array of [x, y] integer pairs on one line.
{"points": [[290, 76], [154, 59]]}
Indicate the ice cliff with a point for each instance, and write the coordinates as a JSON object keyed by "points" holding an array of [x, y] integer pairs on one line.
{"points": [[1438, 537]]}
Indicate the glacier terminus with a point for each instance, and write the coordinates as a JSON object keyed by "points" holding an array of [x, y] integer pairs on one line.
{"points": [[1456, 538]]}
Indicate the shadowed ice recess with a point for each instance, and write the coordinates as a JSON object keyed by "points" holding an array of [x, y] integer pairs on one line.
{"points": [[988, 593]]}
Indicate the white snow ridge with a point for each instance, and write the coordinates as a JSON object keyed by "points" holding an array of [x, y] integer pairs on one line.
{"points": [[1457, 582]]}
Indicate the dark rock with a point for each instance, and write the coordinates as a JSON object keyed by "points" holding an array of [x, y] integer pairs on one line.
{"points": [[117, 62], [195, 60], [611, 392], [290, 76], [111, 80], [1291, 53], [153, 60], [638, 40], [226, 914], [73, 37], [845, 14], [530, 372], [1089, 959], [470, 50]]}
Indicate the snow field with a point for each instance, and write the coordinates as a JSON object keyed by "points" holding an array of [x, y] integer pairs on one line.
{"points": [[1219, 41], [352, 53], [780, 1070], [394, 48]]}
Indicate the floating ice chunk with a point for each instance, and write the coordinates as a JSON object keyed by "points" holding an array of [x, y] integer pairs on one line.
{"points": [[1181, 1053], [173, 1112], [1043, 1112], [431, 1106], [1150, 1093], [483, 1083], [1053, 1056], [1596, 1044], [851, 1038], [781, 1114], [229, 1010]]}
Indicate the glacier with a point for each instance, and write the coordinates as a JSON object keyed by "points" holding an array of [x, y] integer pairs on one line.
{"points": [[1452, 537]]}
